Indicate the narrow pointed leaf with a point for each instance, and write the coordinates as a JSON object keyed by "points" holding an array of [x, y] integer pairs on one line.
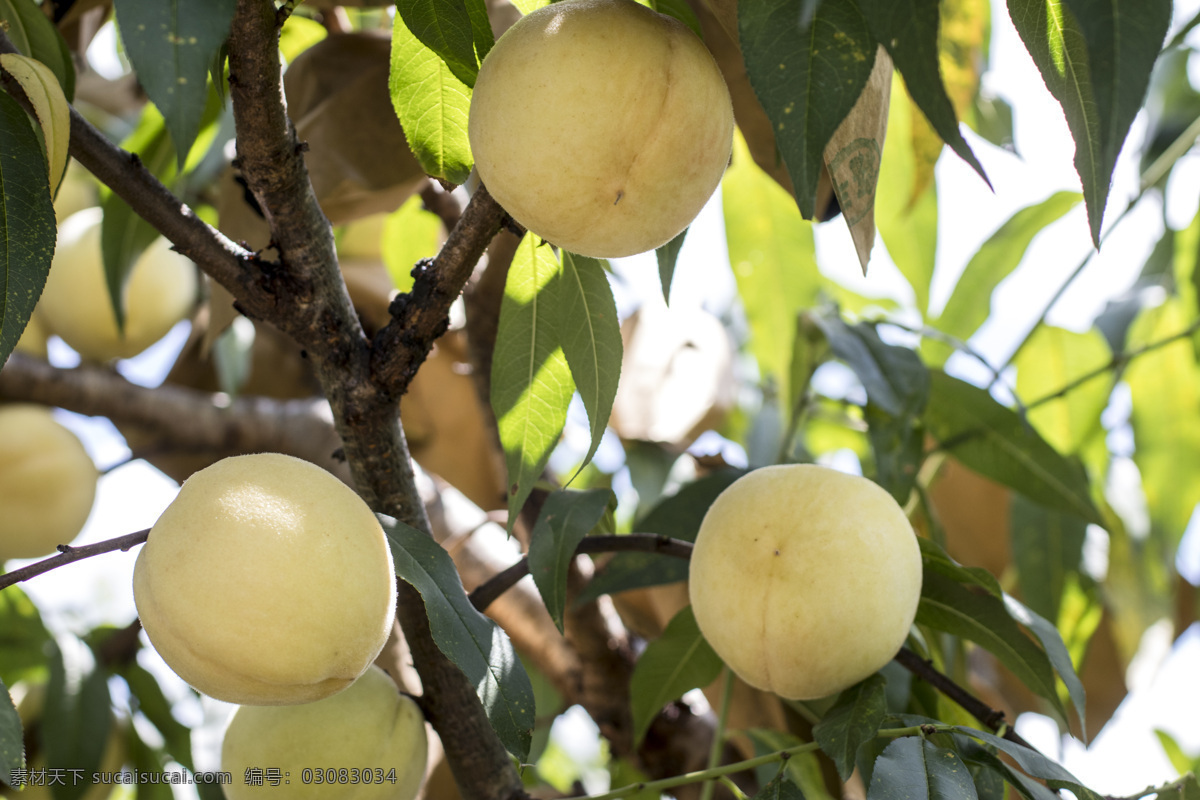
{"points": [[477, 645], [667, 255], [780, 788], [951, 607], [1123, 39], [673, 664], [1053, 358], [1056, 650], [124, 235], [894, 377], [909, 31], [1035, 764], [995, 442], [1047, 547], [566, 518], [913, 768], [23, 638], [934, 557], [34, 35], [27, 228], [77, 717], [531, 382], [445, 27], [481, 28], [854, 719], [171, 45], [150, 701], [591, 339], [906, 211], [995, 260], [50, 104], [12, 743], [807, 78], [432, 105], [774, 261]]}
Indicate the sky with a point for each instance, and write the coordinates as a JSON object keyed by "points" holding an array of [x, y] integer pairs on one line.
{"points": [[1125, 757]]}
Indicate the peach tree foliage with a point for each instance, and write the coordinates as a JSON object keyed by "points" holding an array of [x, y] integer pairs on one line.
{"points": [[1038, 448]]}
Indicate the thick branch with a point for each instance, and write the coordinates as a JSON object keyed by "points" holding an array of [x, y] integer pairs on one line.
{"points": [[192, 419], [422, 315], [233, 267], [321, 318]]}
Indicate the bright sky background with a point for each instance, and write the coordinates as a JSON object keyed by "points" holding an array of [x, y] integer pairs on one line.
{"points": [[1126, 757]]}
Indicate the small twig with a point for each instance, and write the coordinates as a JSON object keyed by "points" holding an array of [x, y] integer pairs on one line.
{"points": [[69, 555], [964, 347], [1118, 360], [715, 773], [1152, 175], [991, 717], [498, 584], [1159, 790], [718, 742]]}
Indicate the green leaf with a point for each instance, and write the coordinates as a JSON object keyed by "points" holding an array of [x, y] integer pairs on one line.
{"points": [[996, 258], [171, 45], [981, 757], [1047, 547], [23, 637], [27, 227], [906, 210], [410, 233], [1056, 651], [995, 442], [1181, 761], [124, 235], [898, 444], [34, 35], [1123, 39], [855, 718], [477, 645], [807, 78], [566, 518], [77, 718], [432, 106], [1053, 358], [909, 31], [12, 741], [774, 261], [780, 788], [1035, 764], [444, 27], [935, 558], [150, 701], [531, 381], [1165, 389], [1054, 40], [951, 607], [147, 759], [914, 768], [679, 517], [673, 664], [680, 10], [591, 339], [894, 377], [667, 255]]}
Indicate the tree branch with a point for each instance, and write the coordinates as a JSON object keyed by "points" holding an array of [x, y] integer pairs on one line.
{"points": [[193, 419], [486, 593], [69, 555], [991, 717], [321, 318], [422, 315]]}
